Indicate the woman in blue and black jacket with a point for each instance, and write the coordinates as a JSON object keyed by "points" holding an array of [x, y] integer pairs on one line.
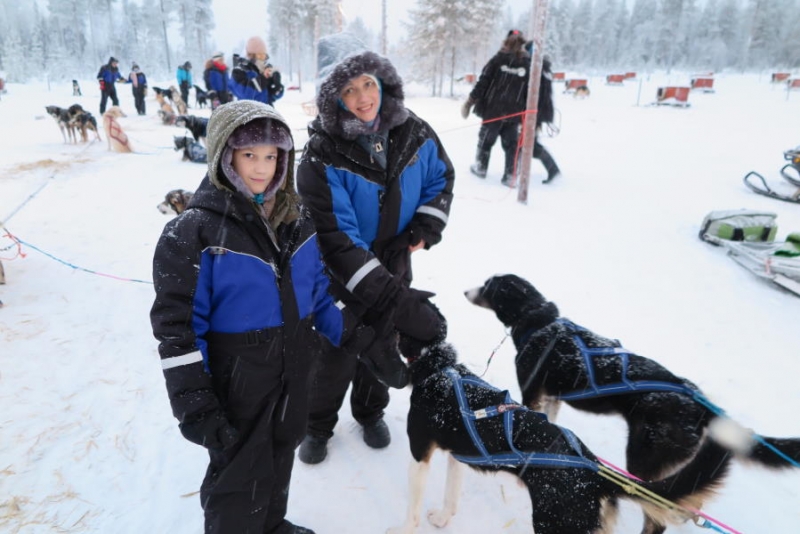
{"points": [[379, 185], [107, 76], [241, 297]]}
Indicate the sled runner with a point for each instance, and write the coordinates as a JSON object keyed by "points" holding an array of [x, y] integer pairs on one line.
{"points": [[752, 178], [793, 156], [748, 237]]}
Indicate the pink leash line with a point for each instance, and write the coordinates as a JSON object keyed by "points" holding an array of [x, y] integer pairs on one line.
{"points": [[697, 512]]}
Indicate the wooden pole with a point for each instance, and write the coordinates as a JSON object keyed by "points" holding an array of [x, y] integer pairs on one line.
{"points": [[537, 33]]}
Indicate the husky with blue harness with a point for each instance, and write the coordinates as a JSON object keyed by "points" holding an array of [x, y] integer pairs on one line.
{"points": [[480, 425], [670, 421]]}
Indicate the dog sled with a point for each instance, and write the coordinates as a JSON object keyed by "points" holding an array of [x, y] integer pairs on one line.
{"points": [[749, 239], [789, 172]]}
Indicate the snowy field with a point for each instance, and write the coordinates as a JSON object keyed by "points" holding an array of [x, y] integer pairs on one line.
{"points": [[87, 439]]}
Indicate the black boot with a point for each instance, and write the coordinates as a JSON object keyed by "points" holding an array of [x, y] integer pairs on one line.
{"points": [[313, 449], [541, 153], [376, 434], [287, 527], [477, 170], [481, 164]]}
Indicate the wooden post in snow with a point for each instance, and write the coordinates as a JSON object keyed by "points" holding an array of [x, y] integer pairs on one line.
{"points": [[537, 27]]}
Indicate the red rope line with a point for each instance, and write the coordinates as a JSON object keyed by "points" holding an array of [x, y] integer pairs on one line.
{"points": [[16, 244]]}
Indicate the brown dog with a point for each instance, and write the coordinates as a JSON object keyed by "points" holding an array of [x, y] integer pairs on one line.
{"points": [[178, 101], [175, 201], [166, 107], [117, 139]]}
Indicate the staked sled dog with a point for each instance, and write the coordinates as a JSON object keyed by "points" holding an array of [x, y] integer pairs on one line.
{"points": [[175, 201], [83, 121], [64, 122], [196, 125], [117, 138], [559, 361], [453, 410]]}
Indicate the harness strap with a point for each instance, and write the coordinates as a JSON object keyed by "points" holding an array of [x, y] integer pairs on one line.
{"points": [[626, 385], [515, 457]]}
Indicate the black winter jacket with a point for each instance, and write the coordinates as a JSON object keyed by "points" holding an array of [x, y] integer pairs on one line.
{"points": [[502, 88], [366, 217], [229, 300]]}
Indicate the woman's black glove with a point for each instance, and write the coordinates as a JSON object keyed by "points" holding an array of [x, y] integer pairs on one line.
{"points": [[209, 429]]}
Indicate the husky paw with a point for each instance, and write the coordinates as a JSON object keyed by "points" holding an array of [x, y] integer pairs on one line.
{"points": [[439, 518]]}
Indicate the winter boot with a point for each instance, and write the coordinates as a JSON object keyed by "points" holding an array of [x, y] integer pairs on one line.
{"points": [[508, 180], [376, 435], [313, 449], [287, 527], [477, 170], [481, 163], [541, 153]]}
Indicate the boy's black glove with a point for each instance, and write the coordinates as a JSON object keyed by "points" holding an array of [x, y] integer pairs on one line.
{"points": [[210, 429], [378, 352]]}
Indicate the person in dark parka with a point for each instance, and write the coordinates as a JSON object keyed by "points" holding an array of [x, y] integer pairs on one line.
{"points": [[499, 97], [107, 77], [252, 78], [379, 186], [241, 297]]}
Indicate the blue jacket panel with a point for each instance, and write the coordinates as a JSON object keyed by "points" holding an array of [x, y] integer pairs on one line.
{"points": [[184, 75]]}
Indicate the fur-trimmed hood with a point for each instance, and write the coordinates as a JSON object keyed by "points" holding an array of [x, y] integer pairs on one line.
{"points": [[337, 121]]}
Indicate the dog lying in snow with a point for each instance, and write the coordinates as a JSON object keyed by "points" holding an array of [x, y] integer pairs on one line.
{"points": [[175, 201]]}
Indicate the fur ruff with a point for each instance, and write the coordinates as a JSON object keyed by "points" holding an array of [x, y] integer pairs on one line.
{"points": [[340, 122]]}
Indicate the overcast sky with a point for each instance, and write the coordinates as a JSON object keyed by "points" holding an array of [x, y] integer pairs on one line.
{"points": [[249, 17]]}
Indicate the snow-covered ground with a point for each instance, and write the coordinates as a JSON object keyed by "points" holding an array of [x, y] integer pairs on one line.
{"points": [[87, 439]]}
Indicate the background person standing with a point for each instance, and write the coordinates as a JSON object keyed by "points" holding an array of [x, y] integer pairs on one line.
{"points": [[184, 76], [107, 76], [138, 82], [499, 96]]}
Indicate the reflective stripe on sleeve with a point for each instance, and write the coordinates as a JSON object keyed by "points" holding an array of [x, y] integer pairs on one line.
{"points": [[177, 361], [433, 212], [362, 273]]}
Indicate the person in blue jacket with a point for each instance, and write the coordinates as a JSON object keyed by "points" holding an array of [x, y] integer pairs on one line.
{"points": [[252, 78], [107, 76], [184, 76], [216, 78], [241, 300], [138, 82], [379, 185]]}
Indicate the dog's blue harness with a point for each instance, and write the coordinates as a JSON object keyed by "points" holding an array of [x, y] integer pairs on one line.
{"points": [[515, 457], [626, 385]]}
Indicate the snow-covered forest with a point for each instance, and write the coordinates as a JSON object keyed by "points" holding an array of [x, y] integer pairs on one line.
{"points": [[63, 39]]}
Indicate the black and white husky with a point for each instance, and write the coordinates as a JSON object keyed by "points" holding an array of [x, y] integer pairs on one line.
{"points": [[670, 422]]}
